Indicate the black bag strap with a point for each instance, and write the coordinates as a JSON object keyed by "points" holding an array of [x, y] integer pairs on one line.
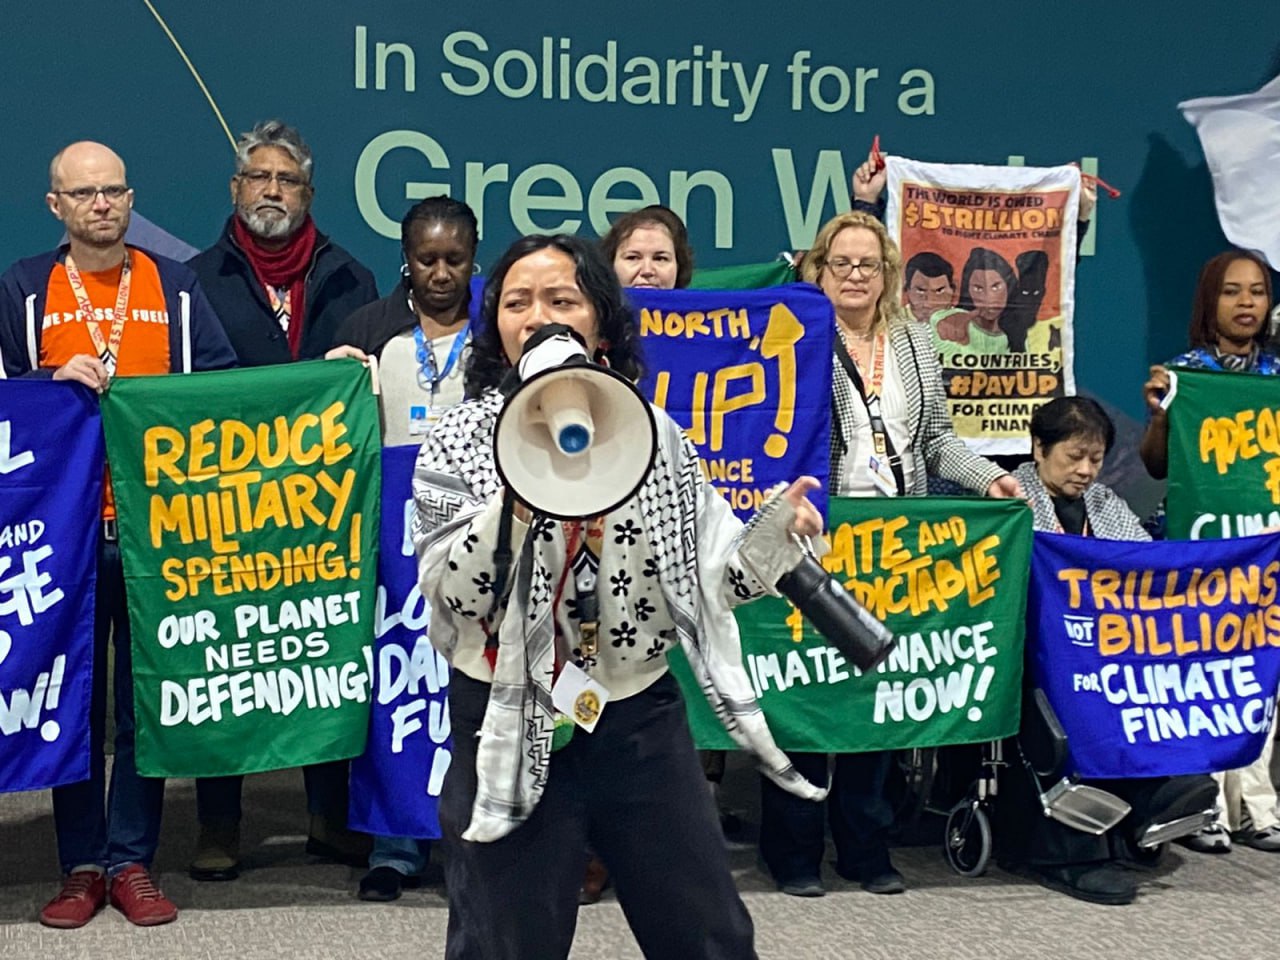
{"points": [[877, 422]]}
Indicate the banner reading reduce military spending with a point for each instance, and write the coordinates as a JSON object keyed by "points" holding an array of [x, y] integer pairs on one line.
{"points": [[949, 576], [249, 522]]}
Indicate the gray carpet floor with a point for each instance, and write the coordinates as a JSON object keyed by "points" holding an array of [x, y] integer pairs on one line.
{"points": [[283, 906]]}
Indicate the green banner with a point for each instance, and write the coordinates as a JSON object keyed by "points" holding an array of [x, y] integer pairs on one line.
{"points": [[1224, 455], [746, 276], [248, 504], [949, 576]]}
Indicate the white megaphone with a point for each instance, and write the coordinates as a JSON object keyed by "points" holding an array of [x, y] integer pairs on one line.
{"points": [[575, 439]]}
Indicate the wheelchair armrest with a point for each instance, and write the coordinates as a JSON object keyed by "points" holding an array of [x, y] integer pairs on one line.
{"points": [[1042, 739]]}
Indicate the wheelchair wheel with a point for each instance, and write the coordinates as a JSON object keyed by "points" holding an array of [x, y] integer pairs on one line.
{"points": [[968, 839]]}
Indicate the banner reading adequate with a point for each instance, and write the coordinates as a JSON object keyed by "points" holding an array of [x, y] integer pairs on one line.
{"points": [[50, 520], [1224, 455], [395, 784], [949, 576], [747, 374], [248, 505], [1159, 658], [988, 259]]}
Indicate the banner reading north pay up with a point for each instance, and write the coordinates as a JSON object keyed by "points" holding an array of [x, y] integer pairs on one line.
{"points": [[1224, 455], [248, 504], [988, 259], [949, 576], [747, 374]]}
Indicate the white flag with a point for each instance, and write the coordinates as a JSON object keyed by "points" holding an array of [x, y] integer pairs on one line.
{"points": [[1241, 141]]}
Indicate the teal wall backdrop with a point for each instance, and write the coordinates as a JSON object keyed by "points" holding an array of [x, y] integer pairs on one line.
{"points": [[749, 116]]}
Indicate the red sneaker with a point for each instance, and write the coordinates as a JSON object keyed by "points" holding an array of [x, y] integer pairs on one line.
{"points": [[83, 894], [134, 895]]}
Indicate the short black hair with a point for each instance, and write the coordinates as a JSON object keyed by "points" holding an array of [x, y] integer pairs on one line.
{"points": [[615, 318], [1065, 417], [931, 265], [441, 210]]}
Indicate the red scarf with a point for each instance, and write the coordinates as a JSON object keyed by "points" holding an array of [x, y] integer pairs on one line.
{"points": [[286, 267]]}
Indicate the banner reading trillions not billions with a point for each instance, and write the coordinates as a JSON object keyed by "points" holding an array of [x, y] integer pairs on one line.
{"points": [[248, 504]]}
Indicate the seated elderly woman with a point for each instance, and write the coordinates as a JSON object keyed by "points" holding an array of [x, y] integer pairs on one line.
{"points": [[1070, 436]]}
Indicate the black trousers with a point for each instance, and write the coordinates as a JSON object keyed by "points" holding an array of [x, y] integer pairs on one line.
{"points": [[792, 834], [634, 792]]}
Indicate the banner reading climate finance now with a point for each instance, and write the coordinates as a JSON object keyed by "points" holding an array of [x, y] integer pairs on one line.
{"points": [[949, 577], [248, 504]]}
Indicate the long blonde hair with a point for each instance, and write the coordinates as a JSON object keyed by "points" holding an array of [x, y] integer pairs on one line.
{"points": [[889, 306]]}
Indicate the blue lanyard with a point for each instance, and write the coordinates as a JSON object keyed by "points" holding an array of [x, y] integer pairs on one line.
{"points": [[428, 376]]}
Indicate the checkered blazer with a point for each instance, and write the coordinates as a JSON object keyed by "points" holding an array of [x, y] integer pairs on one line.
{"points": [[935, 448]]}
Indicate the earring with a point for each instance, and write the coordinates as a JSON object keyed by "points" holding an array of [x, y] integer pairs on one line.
{"points": [[404, 270]]}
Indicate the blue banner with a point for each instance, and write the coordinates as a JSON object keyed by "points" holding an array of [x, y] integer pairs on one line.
{"points": [[395, 785], [51, 466], [747, 373], [1159, 658]]}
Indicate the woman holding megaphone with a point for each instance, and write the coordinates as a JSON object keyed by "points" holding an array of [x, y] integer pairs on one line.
{"points": [[568, 728]]}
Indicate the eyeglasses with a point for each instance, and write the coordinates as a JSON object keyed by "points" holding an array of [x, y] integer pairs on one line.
{"points": [[841, 268], [258, 179], [114, 193]]}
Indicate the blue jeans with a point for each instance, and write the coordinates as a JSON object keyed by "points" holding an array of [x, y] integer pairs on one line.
{"points": [[116, 828], [405, 855]]}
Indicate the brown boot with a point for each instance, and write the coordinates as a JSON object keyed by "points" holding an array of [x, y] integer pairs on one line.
{"points": [[594, 882]]}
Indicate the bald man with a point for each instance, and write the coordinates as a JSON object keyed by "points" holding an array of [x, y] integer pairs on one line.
{"points": [[93, 309]]}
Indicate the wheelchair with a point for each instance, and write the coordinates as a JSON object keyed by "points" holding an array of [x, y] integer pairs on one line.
{"points": [[1040, 750]]}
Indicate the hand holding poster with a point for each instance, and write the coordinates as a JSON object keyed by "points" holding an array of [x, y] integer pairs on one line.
{"points": [[50, 516], [949, 577], [747, 374], [1224, 455], [988, 259], [395, 784], [1159, 658], [248, 504]]}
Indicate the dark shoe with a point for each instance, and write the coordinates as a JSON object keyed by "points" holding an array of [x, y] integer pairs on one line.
{"points": [[331, 840], [1104, 883], [890, 881], [1268, 839], [217, 851], [137, 897], [594, 881], [83, 894], [803, 888], [381, 885], [1212, 839]]}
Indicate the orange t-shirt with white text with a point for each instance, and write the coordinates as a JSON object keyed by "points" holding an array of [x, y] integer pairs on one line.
{"points": [[144, 343]]}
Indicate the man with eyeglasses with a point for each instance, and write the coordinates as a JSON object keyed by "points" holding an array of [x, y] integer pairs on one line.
{"points": [[88, 311], [281, 289], [279, 285]]}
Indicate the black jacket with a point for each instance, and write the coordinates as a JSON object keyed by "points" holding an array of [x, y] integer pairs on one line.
{"points": [[372, 326], [337, 284]]}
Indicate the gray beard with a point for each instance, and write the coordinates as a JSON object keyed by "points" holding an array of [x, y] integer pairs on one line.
{"points": [[271, 228]]}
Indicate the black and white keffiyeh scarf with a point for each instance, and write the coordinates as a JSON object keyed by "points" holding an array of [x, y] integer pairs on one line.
{"points": [[692, 535]]}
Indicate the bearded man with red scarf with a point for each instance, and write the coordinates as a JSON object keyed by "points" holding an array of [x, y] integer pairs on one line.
{"points": [[280, 288]]}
